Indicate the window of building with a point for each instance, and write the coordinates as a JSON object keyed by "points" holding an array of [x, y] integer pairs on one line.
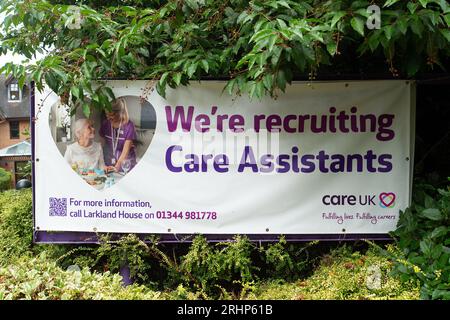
{"points": [[14, 92], [14, 130]]}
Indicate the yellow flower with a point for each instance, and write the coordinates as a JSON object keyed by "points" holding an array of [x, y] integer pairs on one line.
{"points": [[438, 273], [416, 269]]}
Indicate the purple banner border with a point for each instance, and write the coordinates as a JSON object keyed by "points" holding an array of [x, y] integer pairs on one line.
{"points": [[33, 144], [65, 237], [69, 237]]}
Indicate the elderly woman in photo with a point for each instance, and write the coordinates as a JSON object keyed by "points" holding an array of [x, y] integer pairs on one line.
{"points": [[85, 153]]}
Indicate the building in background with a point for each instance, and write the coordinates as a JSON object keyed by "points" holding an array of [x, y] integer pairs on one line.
{"points": [[15, 149]]}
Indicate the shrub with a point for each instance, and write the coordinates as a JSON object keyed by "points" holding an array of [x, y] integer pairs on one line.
{"points": [[16, 224], [287, 261], [16, 229], [342, 274], [423, 237], [40, 278], [213, 270], [201, 270], [128, 250], [5, 179]]}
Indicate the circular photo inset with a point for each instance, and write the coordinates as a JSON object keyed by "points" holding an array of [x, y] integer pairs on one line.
{"points": [[105, 147]]}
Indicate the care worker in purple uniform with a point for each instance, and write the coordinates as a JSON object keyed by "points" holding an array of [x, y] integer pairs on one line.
{"points": [[118, 132]]}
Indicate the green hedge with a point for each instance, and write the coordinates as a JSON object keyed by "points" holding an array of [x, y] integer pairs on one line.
{"points": [[40, 278], [16, 224], [423, 235], [5, 179]]}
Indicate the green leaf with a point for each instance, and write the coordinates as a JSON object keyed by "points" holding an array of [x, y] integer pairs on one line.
{"points": [[436, 251], [192, 68], [364, 12], [390, 3], [423, 3], [272, 40], [373, 42], [440, 294], [75, 92], [161, 89], [163, 79], [51, 81], [261, 35], [252, 61], [388, 30], [21, 81], [241, 17], [331, 48], [251, 85], [425, 246], [110, 93], [37, 75], [61, 74], [230, 86], [402, 25], [193, 4], [446, 34], [336, 17], [439, 231], [129, 10], [259, 24], [281, 80], [417, 26], [144, 51], [412, 7], [177, 78], [284, 4], [432, 214], [358, 25], [205, 65], [104, 102], [267, 80], [444, 6], [429, 202], [276, 55], [447, 19], [86, 110], [281, 23], [259, 90]]}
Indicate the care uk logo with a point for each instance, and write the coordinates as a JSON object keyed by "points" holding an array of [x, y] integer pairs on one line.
{"points": [[384, 200], [387, 199]]}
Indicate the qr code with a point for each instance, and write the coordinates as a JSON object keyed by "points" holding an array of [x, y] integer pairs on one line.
{"points": [[58, 207]]}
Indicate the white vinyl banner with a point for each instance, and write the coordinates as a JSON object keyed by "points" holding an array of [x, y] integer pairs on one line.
{"points": [[322, 158]]}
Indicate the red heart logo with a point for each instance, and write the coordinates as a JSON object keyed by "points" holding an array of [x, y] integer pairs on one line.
{"points": [[387, 198]]}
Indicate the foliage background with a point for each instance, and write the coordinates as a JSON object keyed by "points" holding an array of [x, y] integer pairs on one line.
{"points": [[5, 179]]}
